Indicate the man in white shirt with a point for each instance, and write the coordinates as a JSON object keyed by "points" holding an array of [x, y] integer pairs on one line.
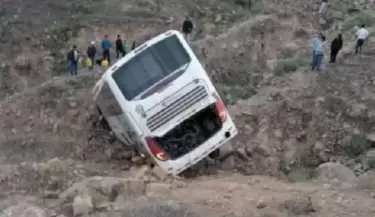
{"points": [[361, 36]]}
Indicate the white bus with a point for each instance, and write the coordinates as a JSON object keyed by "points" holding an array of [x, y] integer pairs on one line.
{"points": [[160, 99]]}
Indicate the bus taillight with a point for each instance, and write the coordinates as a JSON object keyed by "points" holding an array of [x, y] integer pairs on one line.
{"points": [[155, 149], [220, 107]]}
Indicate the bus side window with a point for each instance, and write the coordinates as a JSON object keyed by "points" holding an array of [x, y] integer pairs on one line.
{"points": [[107, 102]]}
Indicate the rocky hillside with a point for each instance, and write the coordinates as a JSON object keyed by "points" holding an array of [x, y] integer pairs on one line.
{"points": [[313, 132]]}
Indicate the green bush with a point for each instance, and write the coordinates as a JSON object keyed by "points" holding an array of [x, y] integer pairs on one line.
{"points": [[286, 53], [233, 93], [361, 18], [288, 65]]}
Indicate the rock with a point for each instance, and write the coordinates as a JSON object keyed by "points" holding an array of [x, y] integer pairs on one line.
{"points": [[82, 205], [357, 110], [50, 194], [225, 150], [22, 63], [354, 145], [278, 133], [263, 149], [338, 15], [228, 163], [53, 166], [357, 167], [318, 147], [245, 169], [178, 183], [109, 187], [72, 104], [159, 173], [298, 205], [158, 188], [261, 204], [367, 180], [370, 158], [210, 161], [143, 172], [100, 201], [138, 160], [23, 210], [371, 137], [322, 21], [242, 153], [330, 171]]}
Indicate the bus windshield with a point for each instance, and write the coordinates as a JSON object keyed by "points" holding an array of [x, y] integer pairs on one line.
{"points": [[151, 66]]}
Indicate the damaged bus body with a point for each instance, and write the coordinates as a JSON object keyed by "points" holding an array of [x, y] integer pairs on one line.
{"points": [[160, 99]]}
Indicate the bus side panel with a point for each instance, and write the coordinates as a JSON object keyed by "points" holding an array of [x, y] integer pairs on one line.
{"points": [[113, 113], [119, 129]]}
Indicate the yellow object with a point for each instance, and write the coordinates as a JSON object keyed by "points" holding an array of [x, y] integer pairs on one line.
{"points": [[88, 62], [80, 60], [105, 63]]}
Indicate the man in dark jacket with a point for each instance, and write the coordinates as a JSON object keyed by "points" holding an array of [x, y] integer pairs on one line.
{"points": [[336, 46], [187, 27], [73, 60], [91, 52], [120, 47]]}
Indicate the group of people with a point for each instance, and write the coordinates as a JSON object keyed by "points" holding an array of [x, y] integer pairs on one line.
{"points": [[121, 48], [90, 57], [319, 46]]}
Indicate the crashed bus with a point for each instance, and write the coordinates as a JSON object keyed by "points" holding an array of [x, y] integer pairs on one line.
{"points": [[160, 99]]}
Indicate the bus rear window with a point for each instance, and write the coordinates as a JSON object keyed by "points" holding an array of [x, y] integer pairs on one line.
{"points": [[151, 66]]}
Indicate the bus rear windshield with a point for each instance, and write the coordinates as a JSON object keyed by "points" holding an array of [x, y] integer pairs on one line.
{"points": [[150, 66]]}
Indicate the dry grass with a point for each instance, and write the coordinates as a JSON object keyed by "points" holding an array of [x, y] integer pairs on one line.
{"points": [[366, 17]]}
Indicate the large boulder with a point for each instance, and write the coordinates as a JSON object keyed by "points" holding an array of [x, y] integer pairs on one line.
{"points": [[354, 145], [82, 205], [24, 210], [298, 205], [104, 190], [335, 172], [367, 180]]}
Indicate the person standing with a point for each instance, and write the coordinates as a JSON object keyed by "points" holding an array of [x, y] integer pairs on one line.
{"points": [[316, 42], [336, 46], [125, 47], [187, 27], [73, 60], [323, 8], [106, 47], [319, 53], [119, 47], [361, 36], [134, 45], [91, 52]]}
